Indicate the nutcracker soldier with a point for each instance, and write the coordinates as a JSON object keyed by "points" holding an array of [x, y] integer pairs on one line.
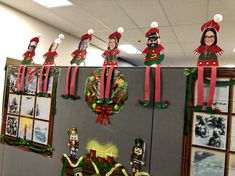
{"points": [[79, 56], [137, 156], [110, 61], [208, 53], [154, 55], [73, 142]]}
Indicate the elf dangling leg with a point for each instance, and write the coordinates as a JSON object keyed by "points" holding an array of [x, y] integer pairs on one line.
{"points": [[67, 83], [157, 99], [46, 81], [145, 102], [102, 85], [212, 90], [200, 89], [73, 84], [108, 85]]}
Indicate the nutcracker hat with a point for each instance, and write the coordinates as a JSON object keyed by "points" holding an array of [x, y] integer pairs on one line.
{"points": [[117, 34], [34, 41], [59, 39], [88, 35], [214, 23], [139, 142], [74, 130], [153, 31]]}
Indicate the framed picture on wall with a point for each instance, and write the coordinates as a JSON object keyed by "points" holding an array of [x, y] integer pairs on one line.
{"points": [[40, 132], [231, 164], [27, 105], [50, 85], [11, 125], [221, 97], [233, 110], [43, 108], [25, 128], [12, 82], [209, 130], [207, 162], [13, 104], [232, 136]]}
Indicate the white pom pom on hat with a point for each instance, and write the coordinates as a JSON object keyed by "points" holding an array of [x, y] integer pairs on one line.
{"points": [[90, 31], [38, 35], [120, 30], [218, 18], [61, 36], [154, 24]]}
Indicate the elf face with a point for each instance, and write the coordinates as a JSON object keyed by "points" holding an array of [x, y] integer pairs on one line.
{"points": [[83, 44], [152, 42], [209, 38], [31, 48], [112, 44], [53, 47]]}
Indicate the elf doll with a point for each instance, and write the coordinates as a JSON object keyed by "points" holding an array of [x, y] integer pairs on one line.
{"points": [[154, 55], [79, 56], [52, 54], [137, 156], [208, 53], [30, 53], [110, 61]]}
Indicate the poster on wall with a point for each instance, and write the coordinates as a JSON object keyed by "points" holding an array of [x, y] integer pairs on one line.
{"points": [[207, 162], [42, 111], [27, 105], [25, 128], [231, 164], [14, 104], [12, 125], [209, 130], [233, 100], [221, 97], [40, 132], [232, 136]]}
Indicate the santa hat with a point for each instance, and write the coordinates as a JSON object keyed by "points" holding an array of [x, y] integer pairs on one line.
{"points": [[117, 34], [139, 142], [153, 31], [213, 23], [59, 39], [88, 35], [34, 41]]}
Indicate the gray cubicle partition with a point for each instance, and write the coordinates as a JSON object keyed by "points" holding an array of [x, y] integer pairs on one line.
{"points": [[162, 130]]}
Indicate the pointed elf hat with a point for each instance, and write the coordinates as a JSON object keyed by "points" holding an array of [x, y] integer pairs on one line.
{"points": [[88, 35], [213, 23], [153, 31], [117, 34], [59, 39], [34, 41]]}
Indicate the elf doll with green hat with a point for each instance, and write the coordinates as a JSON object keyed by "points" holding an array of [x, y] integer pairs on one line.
{"points": [[154, 55], [137, 156], [208, 53], [79, 56], [110, 56]]}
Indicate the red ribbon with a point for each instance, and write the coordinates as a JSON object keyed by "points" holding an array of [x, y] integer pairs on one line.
{"points": [[103, 113]]}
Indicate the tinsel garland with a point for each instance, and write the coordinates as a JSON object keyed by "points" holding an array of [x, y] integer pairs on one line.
{"points": [[26, 143], [191, 74]]}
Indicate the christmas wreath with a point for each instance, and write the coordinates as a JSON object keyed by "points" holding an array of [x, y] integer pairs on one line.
{"points": [[118, 95]]}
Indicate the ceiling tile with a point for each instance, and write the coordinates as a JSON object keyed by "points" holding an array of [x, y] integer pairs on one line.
{"points": [[225, 7], [108, 14], [143, 12], [185, 11], [188, 33], [133, 35]]}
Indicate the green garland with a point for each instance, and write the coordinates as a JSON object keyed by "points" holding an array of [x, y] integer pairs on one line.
{"points": [[119, 92], [104, 167], [191, 74], [26, 143]]}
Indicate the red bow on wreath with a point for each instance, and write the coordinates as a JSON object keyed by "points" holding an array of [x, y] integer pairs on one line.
{"points": [[103, 113]]}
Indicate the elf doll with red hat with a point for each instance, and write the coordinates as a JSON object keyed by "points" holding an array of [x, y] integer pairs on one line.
{"points": [[28, 59], [30, 53], [79, 56], [110, 56], [208, 53], [49, 60], [154, 55]]}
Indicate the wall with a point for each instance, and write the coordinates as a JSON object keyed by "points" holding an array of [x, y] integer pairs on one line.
{"points": [[162, 130]]}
